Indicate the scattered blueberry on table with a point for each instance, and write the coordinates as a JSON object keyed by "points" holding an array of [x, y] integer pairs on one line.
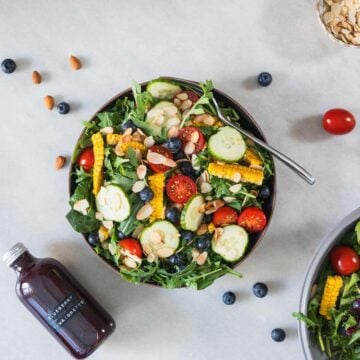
{"points": [[93, 238], [8, 66], [63, 108], [229, 298], [260, 290], [278, 335], [173, 214], [264, 79], [146, 194]]}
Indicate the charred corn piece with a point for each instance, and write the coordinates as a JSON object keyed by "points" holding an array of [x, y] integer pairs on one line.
{"points": [[236, 173], [211, 228], [252, 157], [157, 185], [332, 289], [103, 233], [98, 147], [133, 144], [113, 139]]}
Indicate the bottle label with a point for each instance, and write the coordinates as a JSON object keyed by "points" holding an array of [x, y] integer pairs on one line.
{"points": [[64, 311]]}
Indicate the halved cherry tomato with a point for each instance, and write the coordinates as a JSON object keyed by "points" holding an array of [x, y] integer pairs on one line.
{"points": [[86, 159], [225, 216], [159, 168], [252, 219], [132, 246], [180, 189], [185, 136], [192, 96], [338, 121], [344, 260]]}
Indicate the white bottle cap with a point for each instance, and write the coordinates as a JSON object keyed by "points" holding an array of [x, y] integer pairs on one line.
{"points": [[13, 253]]}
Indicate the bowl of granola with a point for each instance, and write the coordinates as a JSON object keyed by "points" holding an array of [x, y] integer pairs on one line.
{"points": [[341, 20]]}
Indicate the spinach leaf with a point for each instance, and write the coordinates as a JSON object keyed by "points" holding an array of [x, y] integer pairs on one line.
{"points": [[107, 118], [82, 223]]}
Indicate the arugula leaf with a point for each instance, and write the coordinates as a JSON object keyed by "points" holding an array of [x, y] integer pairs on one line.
{"points": [[107, 118], [132, 157], [357, 231], [82, 223], [302, 317]]}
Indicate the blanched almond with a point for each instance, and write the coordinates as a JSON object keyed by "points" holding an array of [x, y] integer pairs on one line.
{"points": [[202, 258], [165, 252], [138, 186], [144, 212], [229, 199], [130, 263], [235, 188], [189, 148], [186, 105], [156, 158], [149, 141], [177, 102], [141, 171], [182, 96], [205, 188]]}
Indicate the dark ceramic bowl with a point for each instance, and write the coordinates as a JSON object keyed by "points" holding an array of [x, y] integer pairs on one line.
{"points": [[247, 122]]}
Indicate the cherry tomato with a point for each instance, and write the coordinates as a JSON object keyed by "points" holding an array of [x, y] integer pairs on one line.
{"points": [[252, 219], [338, 121], [225, 216], [344, 260], [86, 159], [132, 246], [192, 96], [159, 168], [180, 189], [186, 135]]}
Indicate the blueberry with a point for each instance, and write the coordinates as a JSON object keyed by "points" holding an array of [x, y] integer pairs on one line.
{"points": [[8, 66], [179, 155], [186, 167], [203, 243], [186, 235], [264, 79], [207, 218], [356, 306], [278, 335], [229, 298], [173, 214], [93, 238], [128, 125], [63, 108], [264, 192], [121, 235], [260, 290], [146, 194], [173, 144]]}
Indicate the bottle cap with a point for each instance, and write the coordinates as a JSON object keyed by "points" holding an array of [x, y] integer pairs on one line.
{"points": [[13, 253]]}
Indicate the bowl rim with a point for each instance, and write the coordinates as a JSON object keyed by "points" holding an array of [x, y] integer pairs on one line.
{"points": [[233, 103], [311, 275]]}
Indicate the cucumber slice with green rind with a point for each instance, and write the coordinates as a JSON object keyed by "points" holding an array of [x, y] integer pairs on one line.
{"points": [[232, 243], [191, 218], [113, 203], [163, 90], [161, 238], [227, 145], [163, 115]]}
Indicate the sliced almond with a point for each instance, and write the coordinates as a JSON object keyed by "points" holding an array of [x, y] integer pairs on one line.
{"points": [[218, 233], [118, 149], [235, 188], [137, 137], [237, 177], [205, 188], [155, 158], [149, 141], [202, 258], [138, 186], [186, 105], [173, 131], [141, 171], [214, 205], [128, 131], [182, 96], [126, 138], [189, 148], [194, 137], [130, 263], [202, 229], [170, 163], [108, 224], [201, 208], [229, 199], [165, 252], [107, 130], [195, 254], [81, 206], [144, 212], [151, 258]]}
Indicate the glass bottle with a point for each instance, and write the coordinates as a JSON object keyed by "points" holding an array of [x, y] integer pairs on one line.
{"points": [[59, 302]]}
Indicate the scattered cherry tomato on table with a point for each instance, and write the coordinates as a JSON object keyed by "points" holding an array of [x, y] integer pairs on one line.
{"points": [[344, 260], [180, 189], [194, 135], [252, 219], [338, 121], [132, 246], [86, 159], [225, 216], [160, 168]]}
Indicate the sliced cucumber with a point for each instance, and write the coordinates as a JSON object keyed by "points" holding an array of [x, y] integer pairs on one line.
{"points": [[232, 243], [191, 217], [163, 115], [160, 238], [227, 145], [162, 90], [112, 203]]}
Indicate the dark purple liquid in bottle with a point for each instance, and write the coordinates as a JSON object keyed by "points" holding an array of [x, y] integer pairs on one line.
{"points": [[61, 304]]}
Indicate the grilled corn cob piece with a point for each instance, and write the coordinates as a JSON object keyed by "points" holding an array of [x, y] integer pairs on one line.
{"points": [[157, 184], [332, 289], [98, 147], [113, 139], [252, 158], [133, 144], [236, 173]]}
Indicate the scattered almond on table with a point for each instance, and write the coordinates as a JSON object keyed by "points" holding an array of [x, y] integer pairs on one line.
{"points": [[60, 162], [49, 102], [342, 19], [36, 77], [74, 62]]}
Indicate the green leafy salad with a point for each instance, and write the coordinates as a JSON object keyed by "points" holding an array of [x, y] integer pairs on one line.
{"points": [[333, 315], [164, 191]]}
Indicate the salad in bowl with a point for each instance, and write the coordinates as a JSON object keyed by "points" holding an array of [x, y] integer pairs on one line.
{"points": [[164, 191]]}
